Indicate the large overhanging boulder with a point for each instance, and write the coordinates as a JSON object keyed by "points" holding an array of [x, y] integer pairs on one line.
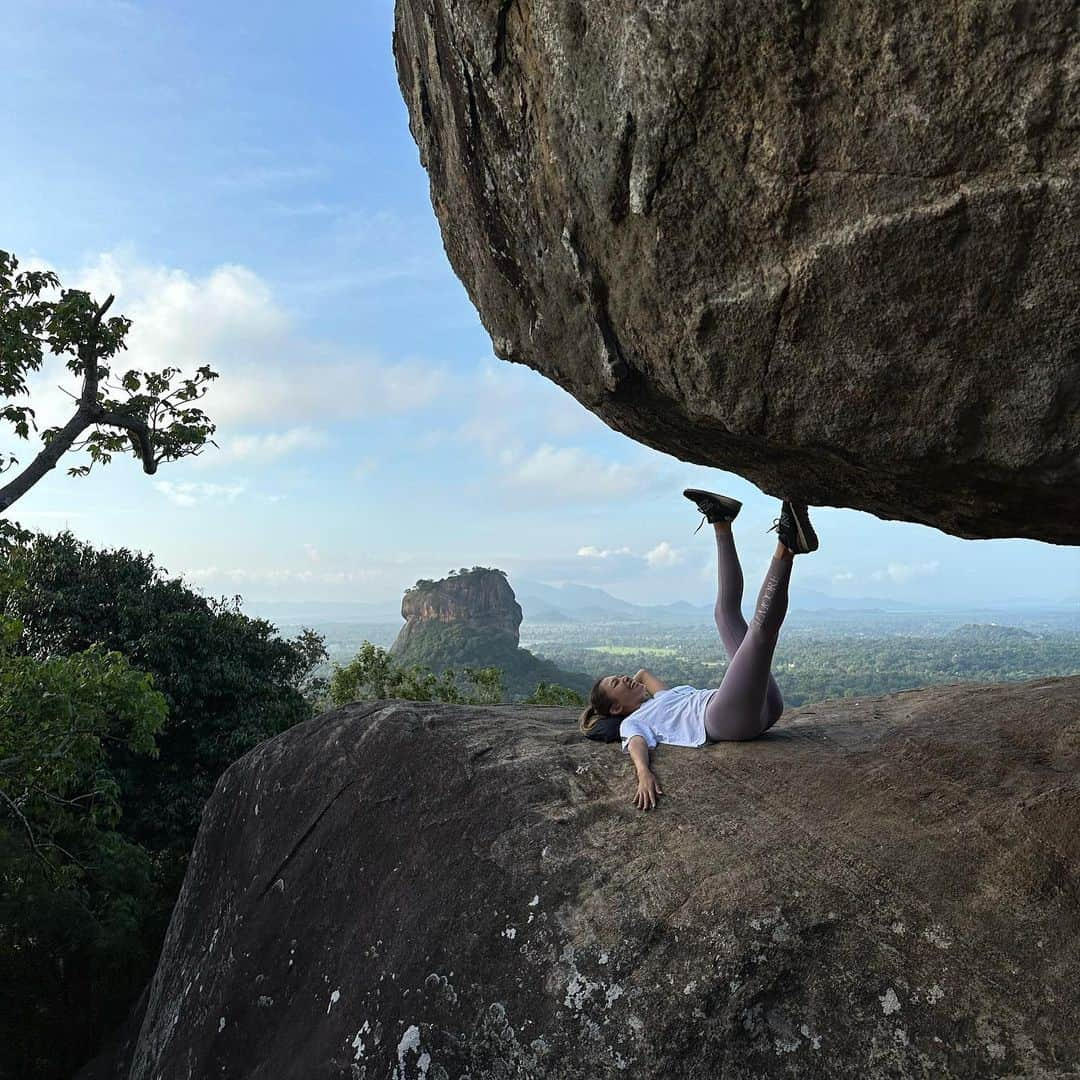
{"points": [[403, 890], [831, 247]]}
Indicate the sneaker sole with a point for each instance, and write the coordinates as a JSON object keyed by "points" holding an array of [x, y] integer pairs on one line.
{"points": [[808, 540], [733, 505]]}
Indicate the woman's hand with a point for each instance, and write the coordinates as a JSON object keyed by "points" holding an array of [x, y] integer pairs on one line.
{"points": [[650, 681], [647, 791]]}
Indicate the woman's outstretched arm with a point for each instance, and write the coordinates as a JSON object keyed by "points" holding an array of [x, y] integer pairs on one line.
{"points": [[652, 683], [647, 787]]}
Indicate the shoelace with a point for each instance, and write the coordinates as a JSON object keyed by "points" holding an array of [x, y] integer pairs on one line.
{"points": [[704, 518]]}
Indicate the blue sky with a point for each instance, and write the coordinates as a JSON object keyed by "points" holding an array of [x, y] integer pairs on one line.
{"points": [[243, 178]]}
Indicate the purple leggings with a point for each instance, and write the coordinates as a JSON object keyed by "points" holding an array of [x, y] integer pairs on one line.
{"points": [[748, 701]]}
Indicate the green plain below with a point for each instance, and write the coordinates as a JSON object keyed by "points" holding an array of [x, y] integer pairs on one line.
{"points": [[625, 650]]}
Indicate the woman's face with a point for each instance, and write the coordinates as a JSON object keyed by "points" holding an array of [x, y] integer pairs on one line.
{"points": [[625, 694]]}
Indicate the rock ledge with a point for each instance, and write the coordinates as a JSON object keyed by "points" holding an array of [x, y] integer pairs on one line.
{"points": [[882, 888]]}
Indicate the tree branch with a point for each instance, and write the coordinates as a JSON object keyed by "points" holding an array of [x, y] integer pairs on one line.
{"points": [[47, 459], [34, 846], [64, 851], [104, 307], [66, 436], [140, 436], [59, 800], [88, 354]]}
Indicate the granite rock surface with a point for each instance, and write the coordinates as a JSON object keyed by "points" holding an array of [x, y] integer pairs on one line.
{"points": [[878, 888], [832, 247]]}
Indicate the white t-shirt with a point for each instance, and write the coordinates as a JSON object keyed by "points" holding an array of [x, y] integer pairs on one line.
{"points": [[675, 715]]}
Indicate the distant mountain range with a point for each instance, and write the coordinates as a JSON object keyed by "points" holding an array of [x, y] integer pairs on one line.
{"points": [[542, 603], [586, 603]]}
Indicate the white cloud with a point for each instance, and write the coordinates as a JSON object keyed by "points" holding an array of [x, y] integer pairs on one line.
{"points": [[210, 575], [269, 446], [189, 494], [306, 388], [278, 390], [522, 423], [510, 408], [568, 474], [183, 321], [663, 555], [591, 552], [845, 577], [901, 573], [366, 576], [230, 320]]}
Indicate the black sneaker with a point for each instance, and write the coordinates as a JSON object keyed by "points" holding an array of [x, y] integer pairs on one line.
{"points": [[714, 507], [794, 530]]}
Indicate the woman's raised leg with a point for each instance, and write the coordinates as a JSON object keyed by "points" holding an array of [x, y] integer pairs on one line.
{"points": [[737, 709], [728, 614]]}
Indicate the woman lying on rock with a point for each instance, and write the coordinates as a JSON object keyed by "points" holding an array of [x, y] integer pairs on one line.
{"points": [[643, 712]]}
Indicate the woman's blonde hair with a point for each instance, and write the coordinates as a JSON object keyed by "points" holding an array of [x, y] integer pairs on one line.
{"points": [[599, 704]]}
